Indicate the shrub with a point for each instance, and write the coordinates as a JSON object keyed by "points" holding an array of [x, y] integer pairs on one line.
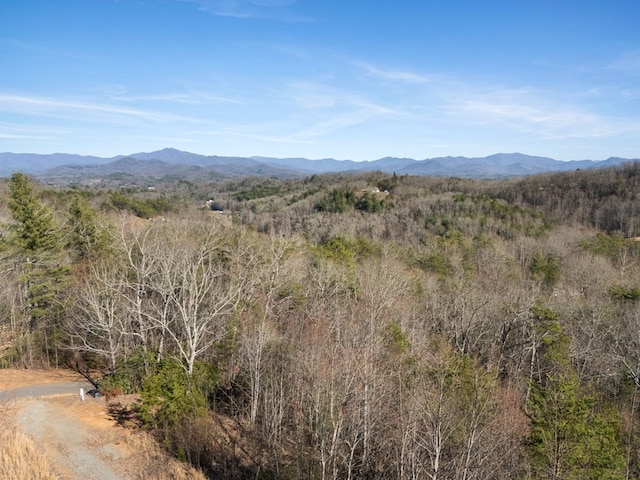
{"points": [[545, 267], [130, 373], [623, 292], [170, 394], [436, 262], [369, 202], [141, 208], [337, 201]]}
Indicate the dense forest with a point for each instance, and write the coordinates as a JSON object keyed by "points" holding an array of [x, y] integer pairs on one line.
{"points": [[345, 326]]}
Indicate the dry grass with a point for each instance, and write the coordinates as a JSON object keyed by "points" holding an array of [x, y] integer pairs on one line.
{"points": [[20, 459], [158, 465]]}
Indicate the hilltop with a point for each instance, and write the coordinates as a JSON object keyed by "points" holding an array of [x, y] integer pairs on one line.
{"points": [[172, 163]]}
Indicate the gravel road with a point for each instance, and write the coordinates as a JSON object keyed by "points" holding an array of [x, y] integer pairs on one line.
{"points": [[78, 450], [71, 444], [48, 390]]}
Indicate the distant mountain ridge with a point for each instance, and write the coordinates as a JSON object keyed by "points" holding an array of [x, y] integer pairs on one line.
{"points": [[176, 163]]}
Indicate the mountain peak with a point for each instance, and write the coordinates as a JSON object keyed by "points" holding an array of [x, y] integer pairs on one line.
{"points": [[493, 166]]}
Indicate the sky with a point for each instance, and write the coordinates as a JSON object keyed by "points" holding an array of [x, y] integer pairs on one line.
{"points": [[347, 79]]}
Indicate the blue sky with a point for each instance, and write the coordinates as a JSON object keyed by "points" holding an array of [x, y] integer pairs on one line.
{"points": [[349, 79]]}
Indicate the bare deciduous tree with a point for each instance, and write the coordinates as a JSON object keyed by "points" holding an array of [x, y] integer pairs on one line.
{"points": [[98, 321], [204, 294]]}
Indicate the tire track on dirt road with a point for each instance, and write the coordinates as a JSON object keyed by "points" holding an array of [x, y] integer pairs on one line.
{"points": [[67, 441], [78, 450]]}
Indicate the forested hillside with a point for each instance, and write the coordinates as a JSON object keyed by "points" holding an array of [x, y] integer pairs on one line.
{"points": [[342, 326]]}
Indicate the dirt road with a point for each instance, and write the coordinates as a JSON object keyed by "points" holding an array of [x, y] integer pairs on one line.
{"points": [[81, 439], [66, 429], [79, 451], [48, 390]]}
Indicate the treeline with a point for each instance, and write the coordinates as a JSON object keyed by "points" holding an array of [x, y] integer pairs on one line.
{"points": [[449, 333], [606, 199]]}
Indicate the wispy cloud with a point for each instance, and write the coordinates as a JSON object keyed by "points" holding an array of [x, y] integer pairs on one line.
{"points": [[35, 48], [251, 133], [14, 135], [64, 108], [532, 111], [44, 135], [336, 122], [326, 109], [395, 75], [628, 63], [436, 99], [183, 98], [312, 96], [280, 10]]}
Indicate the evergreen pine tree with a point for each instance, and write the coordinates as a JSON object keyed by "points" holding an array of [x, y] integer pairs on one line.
{"points": [[36, 245], [570, 438], [87, 237], [35, 228]]}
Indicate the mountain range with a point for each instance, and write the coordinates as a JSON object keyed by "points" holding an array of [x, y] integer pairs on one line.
{"points": [[172, 163]]}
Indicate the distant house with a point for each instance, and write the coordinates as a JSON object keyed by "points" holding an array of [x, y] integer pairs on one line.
{"points": [[375, 190]]}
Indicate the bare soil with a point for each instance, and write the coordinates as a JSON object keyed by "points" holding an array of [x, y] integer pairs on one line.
{"points": [[83, 439]]}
